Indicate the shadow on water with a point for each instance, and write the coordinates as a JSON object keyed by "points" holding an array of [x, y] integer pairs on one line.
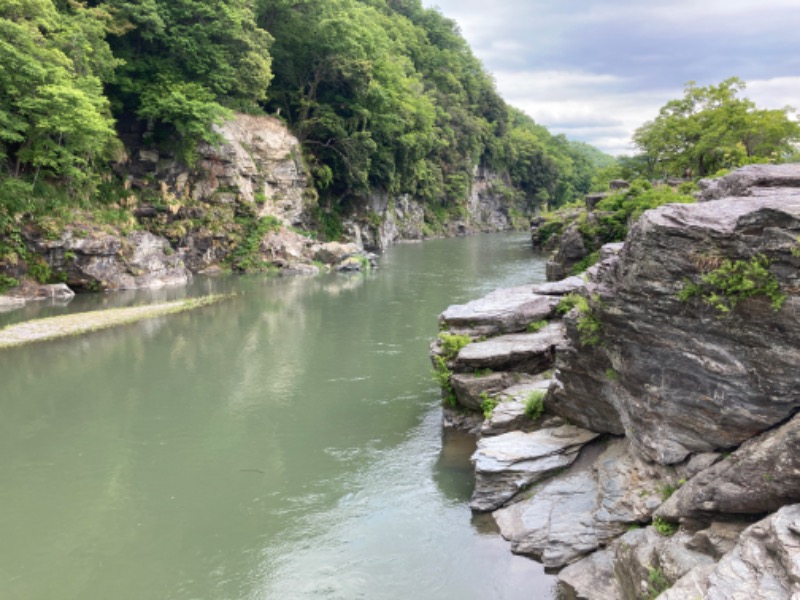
{"points": [[453, 470]]}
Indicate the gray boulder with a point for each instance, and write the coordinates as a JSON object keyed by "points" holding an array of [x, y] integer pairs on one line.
{"points": [[509, 463], [502, 311], [686, 378], [761, 476], [526, 352]]}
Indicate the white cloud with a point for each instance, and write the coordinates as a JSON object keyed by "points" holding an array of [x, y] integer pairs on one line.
{"points": [[592, 107], [777, 92], [596, 70]]}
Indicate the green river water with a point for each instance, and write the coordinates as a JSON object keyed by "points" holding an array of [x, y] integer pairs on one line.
{"points": [[283, 444]]}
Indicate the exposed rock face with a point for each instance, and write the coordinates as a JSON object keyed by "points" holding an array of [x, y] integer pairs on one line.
{"points": [[510, 415], [576, 513], [259, 163], [752, 180], [470, 388], [761, 476], [508, 463], [95, 259], [526, 352], [503, 311], [707, 402], [388, 219], [764, 563], [687, 379], [29, 291]]}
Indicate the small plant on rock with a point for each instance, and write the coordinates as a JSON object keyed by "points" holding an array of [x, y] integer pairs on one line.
{"points": [[534, 404], [724, 287], [657, 583], [488, 404], [536, 326], [663, 527], [452, 344]]}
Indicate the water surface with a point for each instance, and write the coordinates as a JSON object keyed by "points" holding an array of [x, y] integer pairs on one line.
{"points": [[283, 444]]}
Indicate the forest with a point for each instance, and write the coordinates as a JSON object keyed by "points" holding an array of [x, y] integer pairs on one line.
{"points": [[383, 94]]}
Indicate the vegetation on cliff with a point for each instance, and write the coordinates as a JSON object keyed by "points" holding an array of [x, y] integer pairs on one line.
{"points": [[383, 95]]}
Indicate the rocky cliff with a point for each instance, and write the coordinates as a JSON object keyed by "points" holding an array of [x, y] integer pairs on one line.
{"points": [[246, 204], [682, 348]]}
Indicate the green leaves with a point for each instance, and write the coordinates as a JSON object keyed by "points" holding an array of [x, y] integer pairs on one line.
{"points": [[55, 119], [710, 128], [724, 287]]}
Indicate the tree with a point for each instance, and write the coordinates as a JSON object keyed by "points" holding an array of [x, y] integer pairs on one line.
{"points": [[54, 119], [186, 62], [710, 128]]}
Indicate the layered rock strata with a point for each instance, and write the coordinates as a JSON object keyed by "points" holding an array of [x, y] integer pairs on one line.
{"points": [[691, 373]]}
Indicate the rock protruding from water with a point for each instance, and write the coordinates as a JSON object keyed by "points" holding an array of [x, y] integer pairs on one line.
{"points": [[525, 352], [91, 258], [505, 310], [576, 513], [509, 463], [687, 343]]}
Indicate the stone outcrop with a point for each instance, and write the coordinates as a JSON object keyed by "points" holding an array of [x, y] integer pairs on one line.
{"points": [[688, 378], [696, 491], [509, 463], [526, 352], [92, 258], [762, 475], [502, 311]]}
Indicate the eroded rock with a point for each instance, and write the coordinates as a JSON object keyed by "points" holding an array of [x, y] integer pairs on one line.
{"points": [[509, 463], [526, 352], [502, 311], [761, 476]]}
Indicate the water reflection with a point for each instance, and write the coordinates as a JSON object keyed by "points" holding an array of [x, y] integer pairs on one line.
{"points": [[282, 444], [453, 471]]}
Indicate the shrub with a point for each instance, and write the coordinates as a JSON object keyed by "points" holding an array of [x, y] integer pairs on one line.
{"points": [[442, 376], [590, 328], [536, 326], [663, 527], [488, 404], [657, 583], [452, 344], [724, 287], [6, 283], [534, 404]]}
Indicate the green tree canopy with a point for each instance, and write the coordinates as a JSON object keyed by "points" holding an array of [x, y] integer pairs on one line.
{"points": [[711, 128], [54, 117]]}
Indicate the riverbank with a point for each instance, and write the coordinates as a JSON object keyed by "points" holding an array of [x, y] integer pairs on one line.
{"points": [[39, 330], [639, 427]]}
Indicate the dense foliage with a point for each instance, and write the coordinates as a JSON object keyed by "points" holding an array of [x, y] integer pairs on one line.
{"points": [[383, 94], [610, 219], [712, 128]]}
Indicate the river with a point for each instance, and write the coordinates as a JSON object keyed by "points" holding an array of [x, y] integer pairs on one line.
{"points": [[285, 444]]}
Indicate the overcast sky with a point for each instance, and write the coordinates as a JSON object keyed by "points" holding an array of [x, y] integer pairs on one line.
{"points": [[596, 70]]}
